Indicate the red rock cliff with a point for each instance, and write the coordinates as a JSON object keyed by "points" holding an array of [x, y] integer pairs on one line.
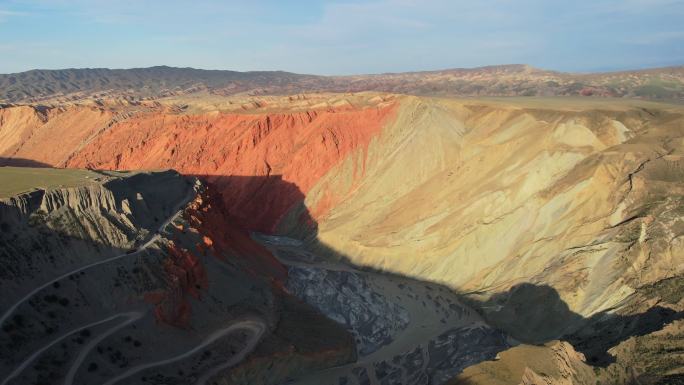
{"points": [[288, 152]]}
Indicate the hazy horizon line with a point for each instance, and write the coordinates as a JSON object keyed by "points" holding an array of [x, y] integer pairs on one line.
{"points": [[596, 71]]}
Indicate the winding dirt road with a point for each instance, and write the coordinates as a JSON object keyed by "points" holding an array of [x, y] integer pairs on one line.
{"points": [[69, 379], [152, 239], [131, 317], [155, 237], [255, 325]]}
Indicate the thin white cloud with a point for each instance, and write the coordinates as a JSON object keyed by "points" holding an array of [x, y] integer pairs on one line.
{"points": [[7, 14]]}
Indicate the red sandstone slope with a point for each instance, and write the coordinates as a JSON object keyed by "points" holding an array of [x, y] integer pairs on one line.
{"points": [[292, 149], [258, 165], [49, 135], [262, 163]]}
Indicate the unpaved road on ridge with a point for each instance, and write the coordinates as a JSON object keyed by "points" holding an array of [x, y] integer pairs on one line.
{"points": [[155, 237], [255, 326], [133, 316]]}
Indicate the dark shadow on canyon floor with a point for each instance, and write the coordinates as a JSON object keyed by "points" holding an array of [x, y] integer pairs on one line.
{"points": [[530, 313], [536, 314], [182, 289]]}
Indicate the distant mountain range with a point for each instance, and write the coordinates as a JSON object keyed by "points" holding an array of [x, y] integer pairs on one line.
{"points": [[504, 80]]}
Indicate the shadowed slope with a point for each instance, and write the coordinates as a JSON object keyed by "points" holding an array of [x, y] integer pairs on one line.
{"points": [[143, 276], [19, 162]]}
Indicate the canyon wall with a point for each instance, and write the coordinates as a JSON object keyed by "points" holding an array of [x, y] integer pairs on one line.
{"points": [[486, 195], [480, 195]]}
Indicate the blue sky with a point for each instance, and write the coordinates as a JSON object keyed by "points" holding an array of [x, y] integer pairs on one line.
{"points": [[341, 36]]}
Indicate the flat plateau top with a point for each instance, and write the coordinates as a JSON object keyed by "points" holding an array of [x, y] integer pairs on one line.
{"points": [[570, 103], [17, 180], [201, 103]]}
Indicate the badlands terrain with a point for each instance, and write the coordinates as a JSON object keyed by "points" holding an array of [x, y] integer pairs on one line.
{"points": [[502, 80], [347, 236]]}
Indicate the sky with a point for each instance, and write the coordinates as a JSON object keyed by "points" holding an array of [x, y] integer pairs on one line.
{"points": [[339, 37]]}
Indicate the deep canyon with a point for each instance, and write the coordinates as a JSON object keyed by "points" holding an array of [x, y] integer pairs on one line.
{"points": [[342, 238]]}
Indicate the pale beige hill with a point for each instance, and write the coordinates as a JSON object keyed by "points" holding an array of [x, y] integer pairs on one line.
{"points": [[555, 363], [482, 195], [556, 217], [261, 104]]}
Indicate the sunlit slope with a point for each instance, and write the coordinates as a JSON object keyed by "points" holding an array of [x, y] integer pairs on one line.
{"points": [[482, 195]]}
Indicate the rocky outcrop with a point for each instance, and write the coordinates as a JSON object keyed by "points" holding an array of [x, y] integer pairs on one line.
{"points": [[435, 362], [52, 231], [555, 363], [348, 299], [407, 331]]}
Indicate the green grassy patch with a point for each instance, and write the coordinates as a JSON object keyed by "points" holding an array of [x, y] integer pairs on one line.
{"points": [[17, 180]]}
